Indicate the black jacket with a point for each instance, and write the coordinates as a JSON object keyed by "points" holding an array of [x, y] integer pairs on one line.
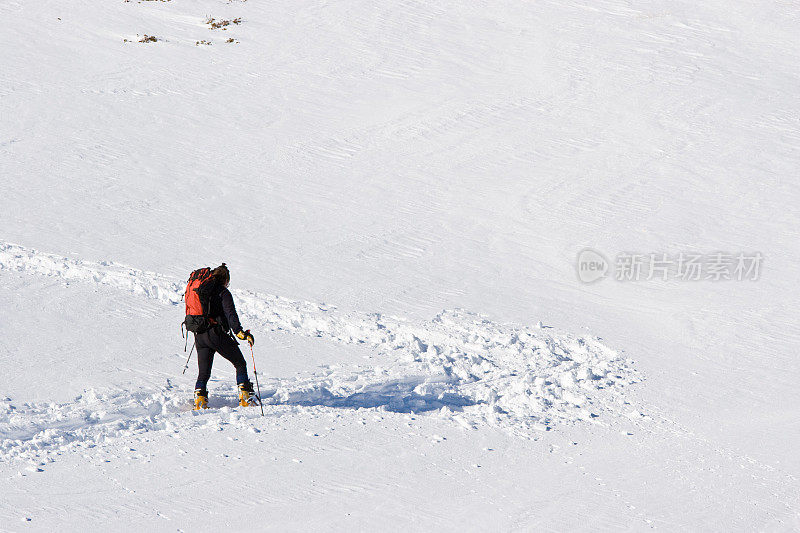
{"points": [[223, 310]]}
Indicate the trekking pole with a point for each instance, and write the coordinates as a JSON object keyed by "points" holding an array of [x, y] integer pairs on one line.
{"points": [[190, 356], [255, 373]]}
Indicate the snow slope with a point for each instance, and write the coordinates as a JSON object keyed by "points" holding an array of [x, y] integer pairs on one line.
{"points": [[414, 181], [511, 377]]}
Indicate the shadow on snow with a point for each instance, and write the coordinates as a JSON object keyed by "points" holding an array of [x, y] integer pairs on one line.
{"points": [[398, 396]]}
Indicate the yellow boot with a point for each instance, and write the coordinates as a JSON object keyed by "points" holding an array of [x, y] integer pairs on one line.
{"points": [[200, 399], [246, 395]]}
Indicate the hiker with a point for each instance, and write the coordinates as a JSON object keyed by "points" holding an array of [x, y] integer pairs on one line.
{"points": [[220, 319]]}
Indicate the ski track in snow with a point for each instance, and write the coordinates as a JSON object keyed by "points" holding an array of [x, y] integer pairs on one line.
{"points": [[460, 365]]}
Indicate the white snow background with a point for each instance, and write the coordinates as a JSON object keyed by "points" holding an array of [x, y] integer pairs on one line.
{"points": [[401, 190]]}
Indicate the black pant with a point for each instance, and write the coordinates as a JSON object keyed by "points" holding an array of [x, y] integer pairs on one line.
{"points": [[213, 341]]}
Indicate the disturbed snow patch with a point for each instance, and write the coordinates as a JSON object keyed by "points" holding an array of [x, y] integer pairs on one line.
{"points": [[460, 361], [38, 431], [508, 375]]}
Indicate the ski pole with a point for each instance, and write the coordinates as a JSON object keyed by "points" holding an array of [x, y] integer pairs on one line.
{"points": [[190, 356], [255, 373]]}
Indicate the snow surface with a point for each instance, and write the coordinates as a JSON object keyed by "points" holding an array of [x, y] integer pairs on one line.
{"points": [[401, 190]]}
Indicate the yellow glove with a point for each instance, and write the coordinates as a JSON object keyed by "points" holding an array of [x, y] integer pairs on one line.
{"points": [[246, 336]]}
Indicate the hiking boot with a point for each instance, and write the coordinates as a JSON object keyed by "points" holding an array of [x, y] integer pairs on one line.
{"points": [[200, 399], [246, 395]]}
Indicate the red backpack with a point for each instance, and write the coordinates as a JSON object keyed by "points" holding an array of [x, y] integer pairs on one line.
{"points": [[198, 300]]}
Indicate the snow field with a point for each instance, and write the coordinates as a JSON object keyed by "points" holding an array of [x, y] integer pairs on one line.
{"points": [[400, 157]]}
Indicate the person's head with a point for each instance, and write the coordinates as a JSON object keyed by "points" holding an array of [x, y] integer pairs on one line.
{"points": [[222, 274]]}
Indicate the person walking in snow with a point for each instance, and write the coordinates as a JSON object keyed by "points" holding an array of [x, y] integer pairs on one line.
{"points": [[219, 320]]}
